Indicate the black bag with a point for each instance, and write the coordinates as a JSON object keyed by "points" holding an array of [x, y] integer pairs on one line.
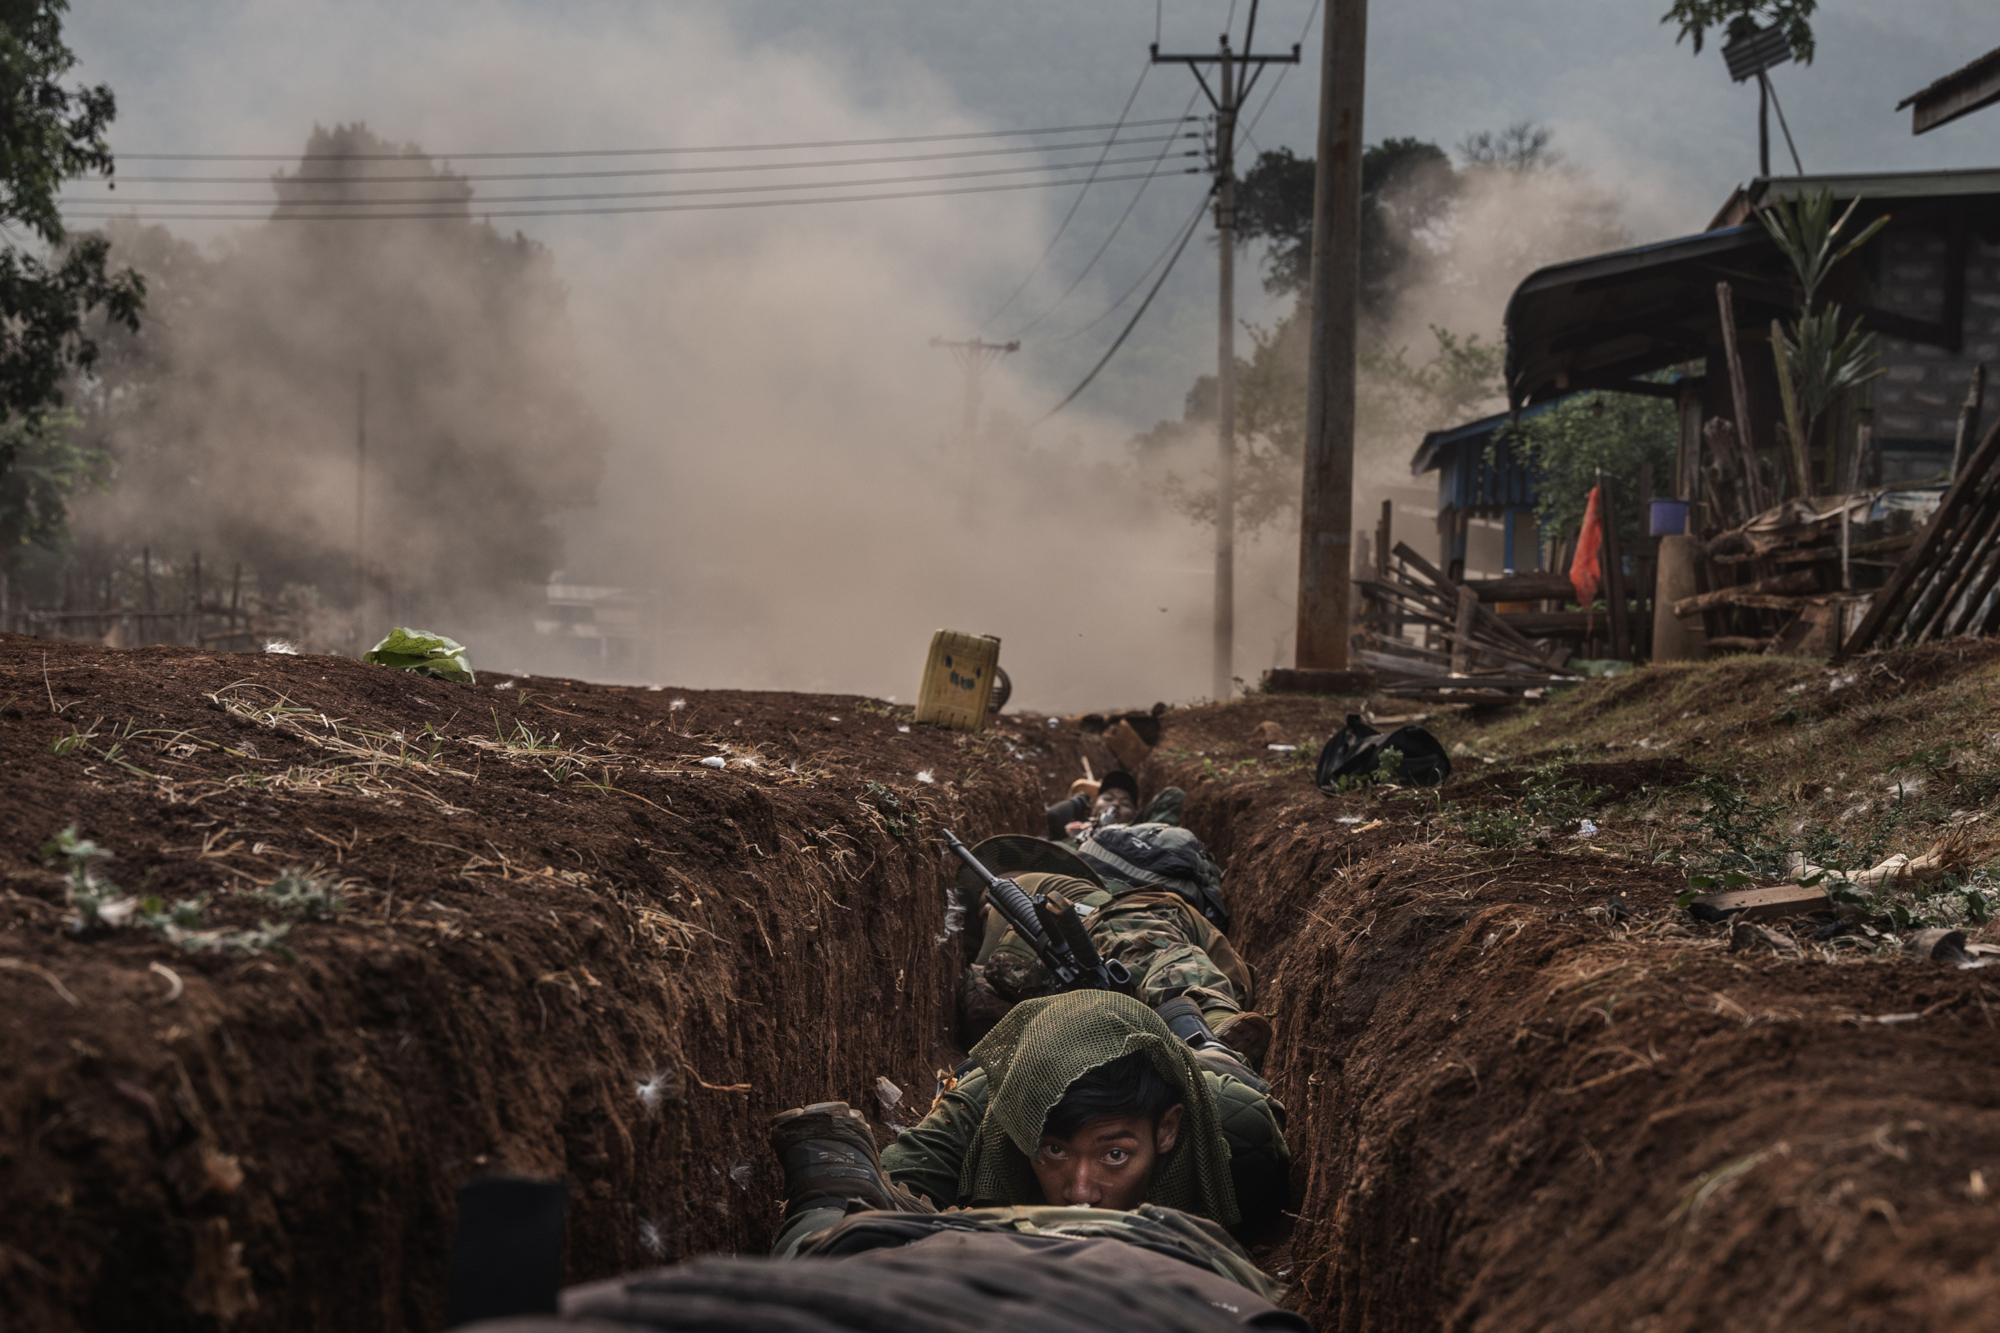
{"points": [[1357, 749]]}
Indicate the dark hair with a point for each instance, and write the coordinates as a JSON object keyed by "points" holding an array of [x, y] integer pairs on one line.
{"points": [[1129, 1085], [1119, 780]]}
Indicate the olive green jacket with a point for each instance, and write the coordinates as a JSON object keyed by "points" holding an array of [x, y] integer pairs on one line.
{"points": [[928, 1158]]}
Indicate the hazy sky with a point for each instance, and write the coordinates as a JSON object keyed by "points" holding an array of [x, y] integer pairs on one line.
{"points": [[1664, 127], [785, 464]]}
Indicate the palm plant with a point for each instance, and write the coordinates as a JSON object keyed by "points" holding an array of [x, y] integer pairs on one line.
{"points": [[1819, 361]]}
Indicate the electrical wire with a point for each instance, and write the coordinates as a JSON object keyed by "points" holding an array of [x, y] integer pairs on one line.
{"points": [[1110, 236], [1279, 82], [1133, 323], [467, 213], [595, 196], [635, 152], [645, 171], [1074, 204], [1137, 283]]}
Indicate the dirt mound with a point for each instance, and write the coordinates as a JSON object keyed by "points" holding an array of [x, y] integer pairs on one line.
{"points": [[1527, 1092], [569, 945], [601, 933]]}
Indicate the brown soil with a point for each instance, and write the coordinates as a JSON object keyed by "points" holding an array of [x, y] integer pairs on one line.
{"points": [[1511, 1107], [531, 934], [1515, 1110]]}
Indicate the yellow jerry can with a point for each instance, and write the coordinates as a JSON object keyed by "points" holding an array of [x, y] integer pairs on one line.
{"points": [[958, 680]]}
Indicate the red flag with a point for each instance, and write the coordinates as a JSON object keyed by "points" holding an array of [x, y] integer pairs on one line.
{"points": [[1585, 571]]}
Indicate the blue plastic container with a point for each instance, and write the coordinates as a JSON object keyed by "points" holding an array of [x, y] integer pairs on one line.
{"points": [[1667, 518]]}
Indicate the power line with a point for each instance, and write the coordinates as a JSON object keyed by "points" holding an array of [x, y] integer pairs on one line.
{"points": [[633, 194], [652, 171], [1137, 315], [1279, 82], [1104, 245], [631, 152], [1074, 204], [1137, 283], [467, 214]]}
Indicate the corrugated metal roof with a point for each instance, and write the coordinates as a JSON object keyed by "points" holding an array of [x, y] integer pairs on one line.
{"points": [[1429, 453], [1602, 322], [1958, 93]]}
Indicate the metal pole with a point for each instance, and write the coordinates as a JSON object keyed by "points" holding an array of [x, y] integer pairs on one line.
{"points": [[1763, 124], [1326, 512], [975, 368], [1225, 379], [360, 508]]}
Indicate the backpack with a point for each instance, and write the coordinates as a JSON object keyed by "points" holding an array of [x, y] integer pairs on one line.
{"points": [[1162, 854], [1357, 749]]}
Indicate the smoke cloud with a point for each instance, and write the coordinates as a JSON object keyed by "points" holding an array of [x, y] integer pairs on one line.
{"points": [[724, 436]]}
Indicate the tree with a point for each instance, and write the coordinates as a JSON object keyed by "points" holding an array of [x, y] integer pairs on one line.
{"points": [[1819, 362], [232, 418], [1618, 434], [1522, 146], [49, 134], [45, 468], [1737, 18], [1406, 185], [1398, 399]]}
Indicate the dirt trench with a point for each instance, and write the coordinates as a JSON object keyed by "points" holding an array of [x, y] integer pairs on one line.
{"points": [[569, 946], [1516, 1105]]}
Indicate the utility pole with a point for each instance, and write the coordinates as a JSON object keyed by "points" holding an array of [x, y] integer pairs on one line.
{"points": [[1236, 75], [361, 511], [974, 354], [1326, 508]]}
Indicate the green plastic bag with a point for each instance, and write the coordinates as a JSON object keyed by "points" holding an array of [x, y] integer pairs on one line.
{"points": [[422, 652]]}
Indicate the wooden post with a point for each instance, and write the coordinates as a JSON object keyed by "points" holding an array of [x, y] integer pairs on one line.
{"points": [[1739, 390], [1461, 640], [1968, 419], [1614, 571], [1326, 510]]}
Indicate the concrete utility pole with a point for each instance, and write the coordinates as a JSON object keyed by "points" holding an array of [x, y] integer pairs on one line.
{"points": [[975, 354], [1326, 510], [361, 511], [1235, 76]]}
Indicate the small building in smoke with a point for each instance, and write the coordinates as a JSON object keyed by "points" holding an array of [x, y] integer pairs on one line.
{"points": [[1485, 497], [588, 628]]}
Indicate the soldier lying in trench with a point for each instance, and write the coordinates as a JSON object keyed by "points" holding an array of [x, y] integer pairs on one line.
{"points": [[1151, 898], [1105, 802], [1080, 1117]]}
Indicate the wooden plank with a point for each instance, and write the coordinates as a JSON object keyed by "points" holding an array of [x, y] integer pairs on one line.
{"points": [[1888, 599], [1533, 587], [1786, 900], [1749, 594], [1461, 641]]}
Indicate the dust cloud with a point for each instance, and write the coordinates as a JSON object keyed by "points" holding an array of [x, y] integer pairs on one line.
{"points": [[703, 448]]}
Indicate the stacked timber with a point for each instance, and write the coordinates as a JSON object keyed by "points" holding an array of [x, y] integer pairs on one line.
{"points": [[1484, 657], [1945, 583], [1781, 581]]}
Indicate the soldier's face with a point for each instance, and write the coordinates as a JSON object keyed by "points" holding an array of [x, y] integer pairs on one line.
{"points": [[1106, 1164], [1115, 806]]}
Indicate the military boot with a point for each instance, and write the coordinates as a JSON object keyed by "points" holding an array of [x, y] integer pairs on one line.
{"points": [[828, 1157], [1246, 1033], [1184, 1019]]}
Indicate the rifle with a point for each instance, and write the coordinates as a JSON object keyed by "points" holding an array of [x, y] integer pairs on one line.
{"points": [[1050, 925]]}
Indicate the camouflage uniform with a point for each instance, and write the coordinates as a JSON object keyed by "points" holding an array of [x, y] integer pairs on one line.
{"points": [[1170, 948]]}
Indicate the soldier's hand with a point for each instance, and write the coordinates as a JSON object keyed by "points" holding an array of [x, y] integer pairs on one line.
{"points": [[1085, 787]]}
